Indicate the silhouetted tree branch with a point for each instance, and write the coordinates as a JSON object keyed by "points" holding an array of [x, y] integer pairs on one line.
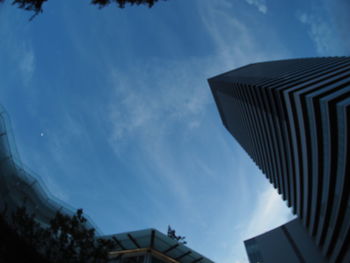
{"points": [[121, 3], [66, 240], [36, 6], [171, 234]]}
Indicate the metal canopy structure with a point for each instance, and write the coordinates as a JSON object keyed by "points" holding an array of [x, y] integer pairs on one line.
{"points": [[154, 242]]}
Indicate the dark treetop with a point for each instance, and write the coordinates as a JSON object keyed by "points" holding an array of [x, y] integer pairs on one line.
{"points": [[36, 6]]}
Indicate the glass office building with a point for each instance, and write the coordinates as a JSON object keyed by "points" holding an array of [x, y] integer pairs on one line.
{"points": [[292, 118], [21, 187]]}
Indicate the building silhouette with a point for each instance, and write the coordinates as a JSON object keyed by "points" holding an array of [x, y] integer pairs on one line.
{"points": [[21, 187], [289, 243], [292, 118]]}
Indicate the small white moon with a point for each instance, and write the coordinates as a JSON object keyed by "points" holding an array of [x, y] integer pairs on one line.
{"points": [[42, 134]]}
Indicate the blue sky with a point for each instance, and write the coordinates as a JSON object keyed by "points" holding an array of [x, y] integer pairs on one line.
{"points": [[112, 111]]}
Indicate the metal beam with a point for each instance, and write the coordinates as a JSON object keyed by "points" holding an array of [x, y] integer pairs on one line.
{"points": [[197, 260], [134, 241], [115, 254], [118, 243], [163, 257], [183, 255], [128, 251], [170, 248], [152, 238]]}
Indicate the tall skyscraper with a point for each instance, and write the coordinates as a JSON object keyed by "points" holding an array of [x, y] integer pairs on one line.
{"points": [[292, 118]]}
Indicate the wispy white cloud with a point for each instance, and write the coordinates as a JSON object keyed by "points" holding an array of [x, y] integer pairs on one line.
{"points": [[236, 41], [320, 31], [260, 4], [151, 106], [26, 62], [268, 213], [339, 15], [327, 25], [156, 102], [152, 101]]}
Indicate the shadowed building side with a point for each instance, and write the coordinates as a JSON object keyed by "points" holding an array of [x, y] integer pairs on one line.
{"points": [[288, 243], [292, 118]]}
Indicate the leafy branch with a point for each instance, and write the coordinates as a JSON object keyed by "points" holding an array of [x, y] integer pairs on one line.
{"points": [[67, 238], [36, 6]]}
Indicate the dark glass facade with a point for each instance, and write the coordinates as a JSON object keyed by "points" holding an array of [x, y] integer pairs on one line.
{"points": [[18, 186], [289, 243], [292, 118]]}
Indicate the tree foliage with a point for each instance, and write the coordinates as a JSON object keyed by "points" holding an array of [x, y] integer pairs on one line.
{"points": [[121, 3], [36, 6], [67, 239], [10, 242], [172, 234]]}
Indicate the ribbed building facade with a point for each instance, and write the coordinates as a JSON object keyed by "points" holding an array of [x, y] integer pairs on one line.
{"points": [[292, 118]]}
